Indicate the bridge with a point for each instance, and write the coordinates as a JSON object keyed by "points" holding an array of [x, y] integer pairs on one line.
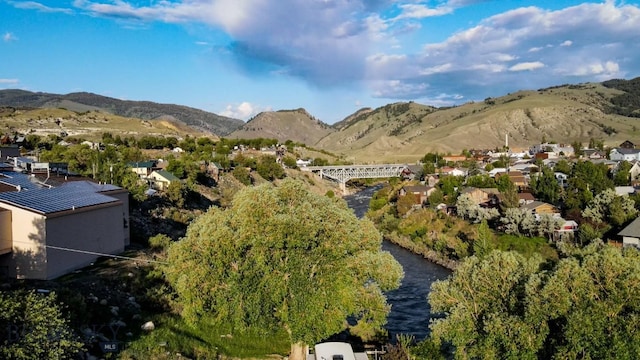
{"points": [[344, 173]]}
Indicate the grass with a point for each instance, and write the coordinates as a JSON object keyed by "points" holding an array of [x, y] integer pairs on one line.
{"points": [[204, 341], [527, 246]]}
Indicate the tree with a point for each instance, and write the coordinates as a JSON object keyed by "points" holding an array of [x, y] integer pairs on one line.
{"points": [[622, 177], [406, 203], [545, 186], [508, 191], [609, 209], [177, 193], [468, 209], [34, 327], [507, 306], [269, 168], [242, 174], [284, 258], [518, 221], [483, 244]]}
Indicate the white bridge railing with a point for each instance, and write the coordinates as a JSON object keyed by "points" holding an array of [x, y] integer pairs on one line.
{"points": [[344, 173]]}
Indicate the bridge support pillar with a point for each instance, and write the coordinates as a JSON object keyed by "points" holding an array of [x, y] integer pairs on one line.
{"points": [[343, 187]]}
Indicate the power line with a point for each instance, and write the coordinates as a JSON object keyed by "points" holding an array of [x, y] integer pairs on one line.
{"points": [[103, 254]]}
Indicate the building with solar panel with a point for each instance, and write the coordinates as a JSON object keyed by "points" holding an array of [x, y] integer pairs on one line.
{"points": [[47, 231]]}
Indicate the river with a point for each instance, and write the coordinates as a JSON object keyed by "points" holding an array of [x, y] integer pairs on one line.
{"points": [[410, 310]]}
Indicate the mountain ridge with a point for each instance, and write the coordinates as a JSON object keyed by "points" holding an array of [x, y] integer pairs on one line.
{"points": [[145, 110]]}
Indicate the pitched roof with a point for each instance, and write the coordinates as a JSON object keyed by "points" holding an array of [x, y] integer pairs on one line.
{"points": [[535, 204], [167, 175], [142, 164], [631, 230]]}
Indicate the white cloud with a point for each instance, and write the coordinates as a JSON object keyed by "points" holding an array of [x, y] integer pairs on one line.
{"points": [[420, 11], [8, 37], [244, 110], [9, 81], [527, 66], [344, 42], [32, 5], [609, 68]]}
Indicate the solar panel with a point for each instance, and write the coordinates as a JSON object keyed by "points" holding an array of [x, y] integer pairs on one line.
{"points": [[26, 182], [62, 198]]}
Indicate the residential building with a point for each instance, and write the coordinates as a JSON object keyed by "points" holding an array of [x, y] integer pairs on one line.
{"points": [[620, 154], [46, 232], [540, 208], [631, 234], [161, 179], [421, 192]]}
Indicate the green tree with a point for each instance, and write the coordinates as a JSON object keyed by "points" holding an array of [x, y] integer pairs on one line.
{"points": [[177, 193], [269, 168], [622, 177], [509, 192], [506, 306], [483, 244], [284, 258], [545, 187], [243, 175], [34, 327]]}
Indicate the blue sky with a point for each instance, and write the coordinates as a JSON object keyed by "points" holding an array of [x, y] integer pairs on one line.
{"points": [[331, 57]]}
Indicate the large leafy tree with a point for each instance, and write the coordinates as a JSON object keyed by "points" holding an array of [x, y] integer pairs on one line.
{"points": [[507, 306], [32, 326], [284, 258]]}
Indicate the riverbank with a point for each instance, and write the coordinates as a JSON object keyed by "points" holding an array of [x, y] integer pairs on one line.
{"points": [[423, 251]]}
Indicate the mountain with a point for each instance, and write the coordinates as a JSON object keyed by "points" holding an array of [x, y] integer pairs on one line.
{"points": [[145, 110], [295, 125], [404, 132]]}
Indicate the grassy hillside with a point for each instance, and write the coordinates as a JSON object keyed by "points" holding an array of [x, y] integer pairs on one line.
{"points": [[146, 110], [87, 125], [405, 132], [295, 125]]}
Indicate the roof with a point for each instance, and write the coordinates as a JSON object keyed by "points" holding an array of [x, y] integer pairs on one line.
{"points": [[17, 179], [631, 230], [167, 175], [626, 151], [142, 164], [69, 196], [535, 204], [416, 188]]}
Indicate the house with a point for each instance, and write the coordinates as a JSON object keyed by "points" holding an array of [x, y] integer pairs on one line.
{"points": [[517, 178], [161, 179], [7, 152], [627, 145], [143, 168], [567, 229], [634, 172], [48, 232], [481, 195], [620, 154], [412, 172], [539, 208], [421, 192], [525, 198], [631, 234], [452, 171], [495, 171]]}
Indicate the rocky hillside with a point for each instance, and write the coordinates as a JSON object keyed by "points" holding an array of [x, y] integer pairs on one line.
{"points": [[295, 125], [145, 110]]}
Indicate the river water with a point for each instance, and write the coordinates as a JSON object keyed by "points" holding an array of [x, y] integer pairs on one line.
{"points": [[410, 310]]}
